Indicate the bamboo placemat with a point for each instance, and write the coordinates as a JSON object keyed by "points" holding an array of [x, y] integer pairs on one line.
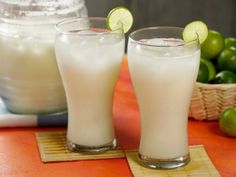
{"points": [[52, 148], [199, 166]]}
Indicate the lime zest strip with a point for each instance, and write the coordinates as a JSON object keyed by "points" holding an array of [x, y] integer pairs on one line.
{"points": [[194, 29], [119, 16]]}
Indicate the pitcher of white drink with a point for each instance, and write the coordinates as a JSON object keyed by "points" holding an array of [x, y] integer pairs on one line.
{"points": [[30, 82], [163, 71]]}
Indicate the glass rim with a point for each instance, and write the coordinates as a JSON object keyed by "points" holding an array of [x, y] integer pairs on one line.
{"points": [[196, 40], [75, 19]]}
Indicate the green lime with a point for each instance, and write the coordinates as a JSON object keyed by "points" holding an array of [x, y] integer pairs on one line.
{"points": [[211, 68], [227, 59], [225, 77], [213, 45], [203, 73], [228, 122], [230, 42], [195, 29], [119, 16]]}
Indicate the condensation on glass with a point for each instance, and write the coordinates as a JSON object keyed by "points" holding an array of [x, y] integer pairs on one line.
{"points": [[30, 82]]}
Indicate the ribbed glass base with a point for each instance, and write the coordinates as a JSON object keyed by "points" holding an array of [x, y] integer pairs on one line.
{"points": [[90, 149], [164, 163]]}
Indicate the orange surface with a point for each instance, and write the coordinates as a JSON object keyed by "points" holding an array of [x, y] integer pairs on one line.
{"points": [[19, 156]]}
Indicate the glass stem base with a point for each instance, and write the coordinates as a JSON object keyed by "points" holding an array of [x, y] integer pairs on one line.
{"points": [[163, 163], [90, 149]]}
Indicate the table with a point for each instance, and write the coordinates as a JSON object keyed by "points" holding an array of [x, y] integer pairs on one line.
{"points": [[19, 156]]}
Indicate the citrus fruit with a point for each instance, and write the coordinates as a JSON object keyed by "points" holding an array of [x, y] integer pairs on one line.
{"points": [[228, 122], [230, 42], [119, 16], [225, 77], [203, 73], [213, 45], [195, 29], [211, 68], [227, 60]]}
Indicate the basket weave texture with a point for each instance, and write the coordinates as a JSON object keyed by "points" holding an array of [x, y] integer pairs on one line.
{"points": [[210, 100]]}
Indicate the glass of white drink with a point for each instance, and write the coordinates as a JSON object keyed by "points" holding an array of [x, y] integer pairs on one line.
{"points": [[163, 71], [89, 59]]}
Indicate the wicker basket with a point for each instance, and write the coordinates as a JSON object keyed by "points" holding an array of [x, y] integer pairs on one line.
{"points": [[210, 100]]}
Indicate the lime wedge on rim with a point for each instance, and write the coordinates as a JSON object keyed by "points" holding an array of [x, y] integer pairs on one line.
{"points": [[119, 15], [193, 29]]}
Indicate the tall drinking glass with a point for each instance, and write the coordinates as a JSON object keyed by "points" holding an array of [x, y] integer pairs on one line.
{"points": [[89, 59], [163, 71]]}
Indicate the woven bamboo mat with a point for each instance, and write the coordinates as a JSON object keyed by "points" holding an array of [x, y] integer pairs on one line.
{"points": [[52, 148], [199, 166]]}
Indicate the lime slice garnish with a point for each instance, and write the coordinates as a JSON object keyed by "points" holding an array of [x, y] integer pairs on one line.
{"points": [[117, 16], [194, 29]]}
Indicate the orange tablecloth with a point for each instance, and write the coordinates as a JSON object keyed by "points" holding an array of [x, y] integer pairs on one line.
{"points": [[19, 156]]}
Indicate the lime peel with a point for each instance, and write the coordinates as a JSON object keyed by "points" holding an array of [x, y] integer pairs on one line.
{"points": [[194, 29], [119, 16], [227, 122]]}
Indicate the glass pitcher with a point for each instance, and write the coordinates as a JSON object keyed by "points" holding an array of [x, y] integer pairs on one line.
{"points": [[30, 82]]}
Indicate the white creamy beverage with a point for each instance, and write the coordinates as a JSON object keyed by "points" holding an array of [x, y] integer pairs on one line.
{"points": [[30, 81], [29, 77], [89, 66], [163, 77]]}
